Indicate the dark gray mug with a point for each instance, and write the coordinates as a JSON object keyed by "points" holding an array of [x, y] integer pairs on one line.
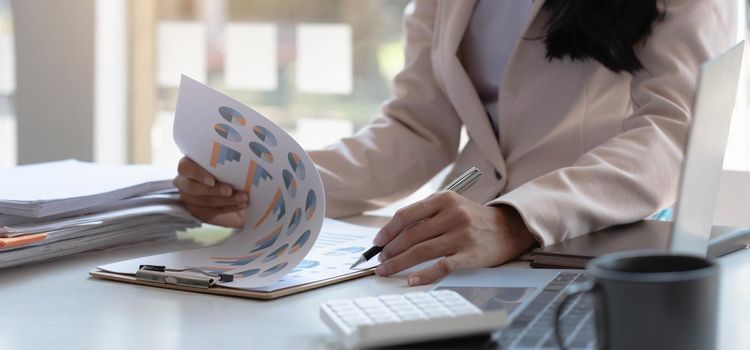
{"points": [[651, 300]]}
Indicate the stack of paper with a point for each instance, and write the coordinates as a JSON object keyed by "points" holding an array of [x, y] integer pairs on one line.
{"points": [[45, 189], [56, 209]]}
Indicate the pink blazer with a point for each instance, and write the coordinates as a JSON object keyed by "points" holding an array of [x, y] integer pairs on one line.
{"points": [[579, 147]]}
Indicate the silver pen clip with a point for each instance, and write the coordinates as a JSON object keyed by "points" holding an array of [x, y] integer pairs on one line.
{"points": [[466, 180], [161, 274]]}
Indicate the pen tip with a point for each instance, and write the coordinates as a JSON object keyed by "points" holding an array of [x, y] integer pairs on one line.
{"points": [[359, 261]]}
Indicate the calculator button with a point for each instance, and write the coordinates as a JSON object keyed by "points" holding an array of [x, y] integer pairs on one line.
{"points": [[400, 305], [351, 314], [434, 309], [454, 301], [367, 302], [403, 313], [378, 313], [375, 309], [409, 310], [339, 303], [428, 304], [344, 308]]}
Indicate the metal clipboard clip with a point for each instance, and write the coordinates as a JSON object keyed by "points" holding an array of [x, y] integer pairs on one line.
{"points": [[164, 275]]}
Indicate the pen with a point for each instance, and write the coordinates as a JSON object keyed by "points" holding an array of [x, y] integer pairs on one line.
{"points": [[459, 185]]}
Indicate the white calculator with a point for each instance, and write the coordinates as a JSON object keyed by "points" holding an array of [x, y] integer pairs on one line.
{"points": [[407, 318]]}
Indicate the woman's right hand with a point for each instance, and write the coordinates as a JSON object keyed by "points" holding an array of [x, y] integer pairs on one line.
{"points": [[208, 199]]}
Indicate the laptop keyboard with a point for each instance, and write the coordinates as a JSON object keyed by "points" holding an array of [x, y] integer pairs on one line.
{"points": [[534, 327]]}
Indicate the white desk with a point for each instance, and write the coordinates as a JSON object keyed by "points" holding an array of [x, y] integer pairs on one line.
{"points": [[56, 306]]}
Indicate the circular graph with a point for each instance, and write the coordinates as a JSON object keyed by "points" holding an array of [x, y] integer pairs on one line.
{"points": [[310, 205], [265, 135], [275, 254], [294, 222], [296, 162], [246, 273], [289, 182], [300, 242], [261, 151], [307, 264], [274, 269], [227, 132], [231, 115]]}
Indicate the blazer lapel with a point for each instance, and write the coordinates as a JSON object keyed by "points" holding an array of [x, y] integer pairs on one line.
{"points": [[453, 18]]}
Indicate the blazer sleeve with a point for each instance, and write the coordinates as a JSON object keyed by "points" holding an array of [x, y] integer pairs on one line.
{"points": [[634, 174], [416, 136]]}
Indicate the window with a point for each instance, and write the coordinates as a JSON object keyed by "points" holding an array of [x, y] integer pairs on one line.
{"points": [[319, 69], [7, 87]]}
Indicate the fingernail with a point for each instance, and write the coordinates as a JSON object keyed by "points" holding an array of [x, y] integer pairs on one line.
{"points": [[209, 181], [382, 256], [413, 281], [226, 190], [380, 270], [242, 205]]}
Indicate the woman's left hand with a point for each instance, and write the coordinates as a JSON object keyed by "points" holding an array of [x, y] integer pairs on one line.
{"points": [[464, 233]]}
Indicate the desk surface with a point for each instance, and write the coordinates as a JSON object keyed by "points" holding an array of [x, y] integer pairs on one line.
{"points": [[56, 306]]}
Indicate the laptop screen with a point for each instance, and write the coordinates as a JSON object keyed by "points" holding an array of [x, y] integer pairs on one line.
{"points": [[704, 152]]}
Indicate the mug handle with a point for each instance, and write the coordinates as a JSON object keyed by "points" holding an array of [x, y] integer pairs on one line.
{"points": [[574, 290]]}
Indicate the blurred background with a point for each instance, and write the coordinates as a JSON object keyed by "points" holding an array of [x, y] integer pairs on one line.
{"points": [[321, 69], [97, 79]]}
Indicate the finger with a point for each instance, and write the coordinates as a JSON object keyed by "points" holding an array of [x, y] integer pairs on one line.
{"points": [[224, 216], [419, 253], [192, 170], [239, 199], [195, 188], [412, 235], [410, 215], [213, 211], [437, 271]]}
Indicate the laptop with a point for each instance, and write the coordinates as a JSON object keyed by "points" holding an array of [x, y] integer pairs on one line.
{"points": [[530, 296]]}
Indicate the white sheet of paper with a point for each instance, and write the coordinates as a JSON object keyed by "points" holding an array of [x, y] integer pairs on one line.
{"points": [[96, 219], [246, 150], [131, 202], [72, 179], [120, 234]]}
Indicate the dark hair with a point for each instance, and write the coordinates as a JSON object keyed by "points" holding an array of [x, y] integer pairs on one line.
{"points": [[605, 30]]}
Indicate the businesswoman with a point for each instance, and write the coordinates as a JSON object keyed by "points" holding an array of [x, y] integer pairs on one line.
{"points": [[576, 111]]}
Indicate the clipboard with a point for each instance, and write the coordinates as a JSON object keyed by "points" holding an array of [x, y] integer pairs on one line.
{"points": [[217, 289]]}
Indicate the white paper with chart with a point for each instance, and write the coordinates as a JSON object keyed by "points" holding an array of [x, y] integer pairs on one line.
{"points": [[287, 205]]}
